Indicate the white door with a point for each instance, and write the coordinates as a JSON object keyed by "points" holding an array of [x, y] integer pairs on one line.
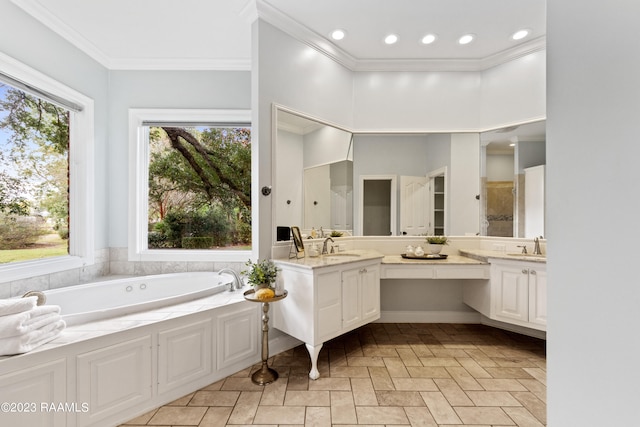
{"points": [[414, 205]]}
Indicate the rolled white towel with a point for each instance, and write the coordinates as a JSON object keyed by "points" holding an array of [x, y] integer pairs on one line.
{"points": [[17, 305], [27, 321], [29, 341]]}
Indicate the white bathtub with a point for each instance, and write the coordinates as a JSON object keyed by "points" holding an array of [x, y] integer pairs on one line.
{"points": [[100, 300]]}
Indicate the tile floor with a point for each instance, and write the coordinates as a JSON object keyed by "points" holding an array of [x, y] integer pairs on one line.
{"points": [[383, 374]]}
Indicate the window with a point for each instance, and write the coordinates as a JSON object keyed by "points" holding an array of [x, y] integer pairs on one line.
{"points": [[45, 180], [190, 191]]}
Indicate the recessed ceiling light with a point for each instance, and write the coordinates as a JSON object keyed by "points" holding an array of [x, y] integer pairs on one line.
{"points": [[338, 34], [466, 39], [391, 39], [518, 35], [428, 39]]}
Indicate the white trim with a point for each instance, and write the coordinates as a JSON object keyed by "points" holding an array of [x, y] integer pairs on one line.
{"points": [[472, 317], [81, 178], [138, 183]]}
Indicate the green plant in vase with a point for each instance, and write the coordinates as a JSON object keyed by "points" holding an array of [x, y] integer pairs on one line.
{"points": [[261, 274], [436, 243]]}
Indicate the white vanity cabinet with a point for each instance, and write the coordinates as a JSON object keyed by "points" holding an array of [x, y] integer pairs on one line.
{"points": [[326, 301], [519, 293], [360, 296]]}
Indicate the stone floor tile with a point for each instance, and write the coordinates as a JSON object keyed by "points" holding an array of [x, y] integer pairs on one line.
{"points": [[381, 379], [363, 392], [216, 417], [178, 415], [414, 384], [317, 416], [534, 405], [399, 398], [381, 415], [420, 417], [245, 410], [321, 383], [280, 415], [440, 408], [465, 380], [439, 361], [396, 367], [522, 417], [273, 393], [307, 398], [483, 415], [343, 408], [502, 384], [492, 398], [452, 392], [214, 398]]}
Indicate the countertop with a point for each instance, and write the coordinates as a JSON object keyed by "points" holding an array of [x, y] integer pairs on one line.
{"points": [[332, 259], [484, 255], [450, 260]]}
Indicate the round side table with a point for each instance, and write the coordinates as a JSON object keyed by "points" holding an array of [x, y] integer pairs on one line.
{"points": [[264, 375]]}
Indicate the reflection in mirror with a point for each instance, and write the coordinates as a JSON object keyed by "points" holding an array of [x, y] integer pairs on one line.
{"points": [[512, 181], [314, 174]]}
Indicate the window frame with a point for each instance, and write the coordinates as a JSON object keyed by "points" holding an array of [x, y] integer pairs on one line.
{"points": [[81, 177], [139, 176]]}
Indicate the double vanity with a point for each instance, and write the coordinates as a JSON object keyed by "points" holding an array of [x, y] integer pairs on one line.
{"points": [[335, 293]]}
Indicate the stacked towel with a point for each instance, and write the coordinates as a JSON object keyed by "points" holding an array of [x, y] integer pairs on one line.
{"points": [[25, 326]]}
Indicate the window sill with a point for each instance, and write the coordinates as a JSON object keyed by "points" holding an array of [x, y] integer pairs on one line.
{"points": [[190, 255], [41, 267]]}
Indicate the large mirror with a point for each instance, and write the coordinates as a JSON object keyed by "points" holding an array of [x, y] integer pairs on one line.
{"points": [[404, 184], [314, 175], [512, 181]]}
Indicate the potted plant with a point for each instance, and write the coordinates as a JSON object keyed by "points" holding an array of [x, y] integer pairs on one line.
{"points": [[436, 243], [261, 274]]}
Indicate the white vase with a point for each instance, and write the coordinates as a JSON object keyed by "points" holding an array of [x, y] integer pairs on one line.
{"points": [[435, 248]]}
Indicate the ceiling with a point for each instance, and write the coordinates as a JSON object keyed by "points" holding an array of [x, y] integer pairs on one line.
{"points": [[216, 34]]}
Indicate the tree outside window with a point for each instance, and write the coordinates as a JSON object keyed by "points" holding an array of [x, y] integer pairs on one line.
{"points": [[34, 177], [199, 187]]}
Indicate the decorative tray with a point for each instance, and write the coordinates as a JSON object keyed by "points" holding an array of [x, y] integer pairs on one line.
{"points": [[248, 295], [425, 256]]}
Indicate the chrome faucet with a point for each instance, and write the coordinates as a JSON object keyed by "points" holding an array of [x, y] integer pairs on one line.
{"points": [[237, 279], [524, 248], [324, 246], [536, 247]]}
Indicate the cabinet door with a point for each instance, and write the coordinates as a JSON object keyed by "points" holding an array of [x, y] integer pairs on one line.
{"points": [[237, 334], [184, 355], [538, 296], [351, 307], [35, 385], [511, 293], [114, 379], [329, 305], [370, 292]]}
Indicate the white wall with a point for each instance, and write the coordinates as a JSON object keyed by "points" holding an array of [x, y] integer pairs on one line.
{"points": [[592, 175], [290, 73], [417, 101], [464, 185], [33, 44], [326, 145], [500, 167], [289, 178], [159, 89], [514, 92]]}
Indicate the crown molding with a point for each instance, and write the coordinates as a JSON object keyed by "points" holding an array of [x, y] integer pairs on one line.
{"points": [[303, 34], [42, 14], [182, 64]]}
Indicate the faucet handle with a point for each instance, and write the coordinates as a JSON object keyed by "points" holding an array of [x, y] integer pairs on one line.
{"points": [[524, 248]]}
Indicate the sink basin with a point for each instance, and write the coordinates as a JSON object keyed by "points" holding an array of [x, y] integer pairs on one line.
{"points": [[340, 257], [529, 255]]}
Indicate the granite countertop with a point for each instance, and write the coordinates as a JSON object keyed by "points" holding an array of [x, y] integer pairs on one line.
{"points": [[484, 255], [337, 258], [450, 260]]}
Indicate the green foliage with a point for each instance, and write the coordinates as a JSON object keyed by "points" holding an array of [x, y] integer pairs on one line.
{"points": [[261, 272], [197, 242], [19, 232], [336, 233], [437, 240], [36, 153], [200, 185]]}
